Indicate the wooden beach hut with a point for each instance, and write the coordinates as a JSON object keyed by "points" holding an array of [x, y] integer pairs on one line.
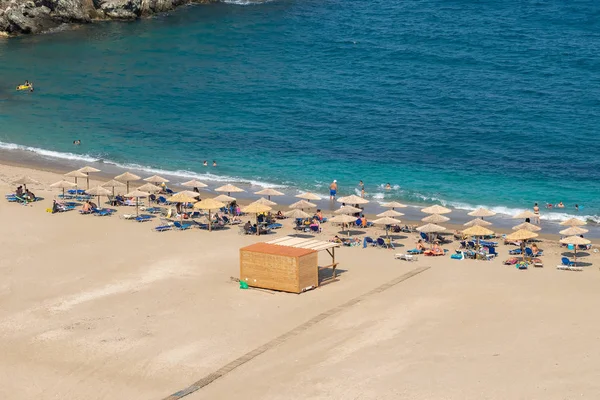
{"points": [[288, 264]]}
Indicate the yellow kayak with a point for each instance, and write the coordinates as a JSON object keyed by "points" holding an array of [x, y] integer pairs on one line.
{"points": [[23, 87]]}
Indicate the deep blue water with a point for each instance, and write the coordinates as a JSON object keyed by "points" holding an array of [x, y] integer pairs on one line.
{"points": [[493, 103]]}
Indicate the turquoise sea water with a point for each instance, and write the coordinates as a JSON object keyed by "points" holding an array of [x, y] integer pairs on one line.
{"points": [[467, 103]]}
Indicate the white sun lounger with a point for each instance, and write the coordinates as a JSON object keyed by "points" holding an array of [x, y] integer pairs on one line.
{"points": [[407, 257], [567, 268]]}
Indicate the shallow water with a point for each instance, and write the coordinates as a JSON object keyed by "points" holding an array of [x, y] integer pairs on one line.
{"points": [[457, 102]]}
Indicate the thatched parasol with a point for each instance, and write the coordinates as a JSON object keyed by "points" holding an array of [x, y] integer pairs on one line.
{"points": [[352, 199], [308, 196], [269, 192], [387, 221], [573, 222], [76, 174], [478, 231], [86, 170], [436, 209], [522, 235], [527, 226], [435, 219], [229, 188], [194, 183], [150, 188], [181, 198], [266, 202], [98, 191], [347, 210], [296, 213], [482, 212], [63, 185], [390, 213], [156, 179], [525, 214], [225, 198], [127, 177], [575, 241], [25, 180], [137, 194], [256, 208], [302, 204], [431, 228], [394, 204], [478, 222], [573, 230], [113, 184], [343, 219], [209, 205]]}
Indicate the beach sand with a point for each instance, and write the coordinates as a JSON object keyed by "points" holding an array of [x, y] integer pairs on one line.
{"points": [[99, 308]]}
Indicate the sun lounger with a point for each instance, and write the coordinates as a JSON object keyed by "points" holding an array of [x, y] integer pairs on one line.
{"points": [[182, 227], [163, 228], [537, 263], [565, 261], [274, 226], [415, 251], [105, 212], [144, 218], [568, 268], [514, 252], [127, 216], [406, 257]]}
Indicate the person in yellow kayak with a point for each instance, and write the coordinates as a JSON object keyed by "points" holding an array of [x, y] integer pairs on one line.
{"points": [[25, 86]]}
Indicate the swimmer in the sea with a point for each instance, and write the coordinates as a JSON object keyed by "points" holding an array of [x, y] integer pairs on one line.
{"points": [[205, 163], [388, 186], [214, 163], [77, 142]]}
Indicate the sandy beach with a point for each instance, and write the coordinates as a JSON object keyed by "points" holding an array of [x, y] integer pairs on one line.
{"points": [[104, 308]]}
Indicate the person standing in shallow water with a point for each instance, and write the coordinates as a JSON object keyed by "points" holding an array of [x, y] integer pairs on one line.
{"points": [[536, 211], [362, 189], [333, 190]]}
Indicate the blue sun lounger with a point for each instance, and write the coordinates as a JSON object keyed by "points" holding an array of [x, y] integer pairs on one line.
{"points": [[182, 227], [163, 228]]}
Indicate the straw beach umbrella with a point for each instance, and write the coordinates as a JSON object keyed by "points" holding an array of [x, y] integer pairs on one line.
{"points": [[482, 212], [137, 194], [477, 222], [63, 185], [394, 204], [76, 174], [436, 209], [296, 213], [194, 183], [156, 179], [478, 231], [266, 202], [209, 205], [225, 198], [522, 235], [229, 188], [347, 210], [113, 184], [390, 213], [573, 230], [343, 219], [527, 226], [431, 228], [86, 170], [189, 193], [256, 208], [25, 180], [573, 222], [127, 177], [387, 221], [435, 219], [150, 188], [575, 241], [98, 191], [308, 196], [302, 204], [352, 199], [525, 214], [269, 192], [182, 198]]}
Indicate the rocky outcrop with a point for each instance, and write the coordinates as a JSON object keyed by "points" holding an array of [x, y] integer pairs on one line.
{"points": [[27, 16]]}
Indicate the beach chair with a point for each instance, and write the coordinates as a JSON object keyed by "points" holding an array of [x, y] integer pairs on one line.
{"points": [[275, 226], [566, 262], [414, 251], [537, 262], [163, 228], [127, 216], [514, 252], [143, 218], [406, 257], [315, 229], [182, 227], [368, 241], [105, 212], [491, 253], [424, 237], [528, 252]]}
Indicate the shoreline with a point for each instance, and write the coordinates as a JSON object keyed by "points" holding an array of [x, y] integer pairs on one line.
{"points": [[501, 224]]}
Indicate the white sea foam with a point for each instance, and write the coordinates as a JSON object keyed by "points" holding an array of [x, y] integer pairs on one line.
{"points": [[178, 173]]}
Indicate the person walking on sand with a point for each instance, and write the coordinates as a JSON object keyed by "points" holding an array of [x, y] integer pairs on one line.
{"points": [[333, 190], [536, 211]]}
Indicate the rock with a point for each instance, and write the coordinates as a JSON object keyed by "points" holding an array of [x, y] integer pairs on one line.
{"points": [[120, 9], [66, 10], [28, 21]]}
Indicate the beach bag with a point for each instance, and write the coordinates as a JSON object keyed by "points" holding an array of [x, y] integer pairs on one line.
{"points": [[243, 285]]}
